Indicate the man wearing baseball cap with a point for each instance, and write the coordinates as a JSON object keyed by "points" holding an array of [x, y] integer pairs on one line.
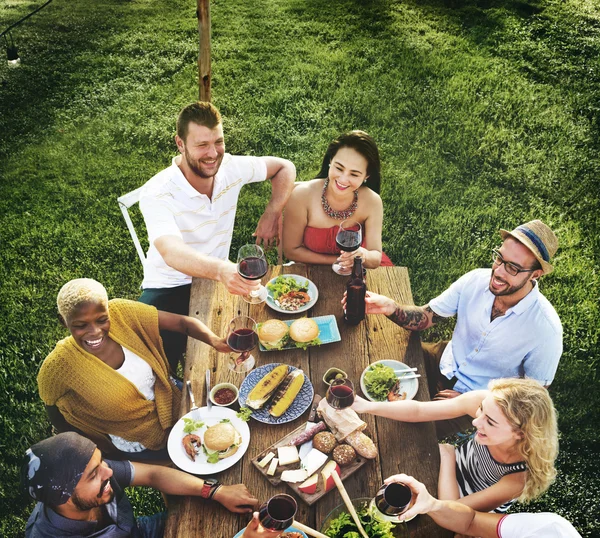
{"points": [[505, 327], [81, 494]]}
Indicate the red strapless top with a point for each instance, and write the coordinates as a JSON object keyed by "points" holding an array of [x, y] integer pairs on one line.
{"points": [[322, 240]]}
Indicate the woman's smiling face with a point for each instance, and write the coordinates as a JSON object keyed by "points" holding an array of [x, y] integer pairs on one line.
{"points": [[348, 170], [89, 325], [493, 428]]}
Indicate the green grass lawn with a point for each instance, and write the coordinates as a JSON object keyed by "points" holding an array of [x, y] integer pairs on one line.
{"points": [[487, 113]]}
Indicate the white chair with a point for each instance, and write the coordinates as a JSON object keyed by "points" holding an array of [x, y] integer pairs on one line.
{"points": [[125, 202]]}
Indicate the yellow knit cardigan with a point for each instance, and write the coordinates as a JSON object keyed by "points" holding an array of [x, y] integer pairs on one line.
{"points": [[96, 399]]}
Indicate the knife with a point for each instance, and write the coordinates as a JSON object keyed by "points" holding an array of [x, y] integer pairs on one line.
{"points": [[208, 402], [313, 410]]}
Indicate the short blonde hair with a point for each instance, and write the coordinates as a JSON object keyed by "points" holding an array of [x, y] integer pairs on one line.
{"points": [[78, 291], [529, 409]]}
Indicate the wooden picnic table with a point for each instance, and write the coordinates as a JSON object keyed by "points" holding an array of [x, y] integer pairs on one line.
{"points": [[403, 447]]}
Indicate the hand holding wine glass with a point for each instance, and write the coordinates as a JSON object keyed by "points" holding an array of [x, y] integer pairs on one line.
{"points": [[252, 265], [242, 338], [348, 239], [278, 513], [340, 393]]}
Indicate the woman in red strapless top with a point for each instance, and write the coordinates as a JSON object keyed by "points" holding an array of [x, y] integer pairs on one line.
{"points": [[347, 186]]}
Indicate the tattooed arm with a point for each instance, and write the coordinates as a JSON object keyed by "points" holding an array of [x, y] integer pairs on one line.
{"points": [[412, 318]]}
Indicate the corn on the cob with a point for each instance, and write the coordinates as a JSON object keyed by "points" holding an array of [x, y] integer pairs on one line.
{"points": [[266, 387], [286, 393]]}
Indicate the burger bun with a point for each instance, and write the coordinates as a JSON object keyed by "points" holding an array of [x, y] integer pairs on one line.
{"points": [[222, 438], [272, 333], [304, 330]]}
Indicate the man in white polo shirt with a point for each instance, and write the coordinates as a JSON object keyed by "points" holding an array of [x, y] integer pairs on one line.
{"points": [[189, 210], [505, 327], [462, 519]]}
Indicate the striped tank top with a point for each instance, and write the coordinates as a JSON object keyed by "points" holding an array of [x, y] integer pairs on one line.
{"points": [[476, 470]]}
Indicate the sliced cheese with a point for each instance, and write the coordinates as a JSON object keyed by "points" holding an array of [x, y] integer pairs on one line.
{"points": [[287, 455], [272, 467], [266, 459], [313, 460], [296, 475]]}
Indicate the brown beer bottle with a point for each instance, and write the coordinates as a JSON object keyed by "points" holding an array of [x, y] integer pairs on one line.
{"points": [[355, 298]]}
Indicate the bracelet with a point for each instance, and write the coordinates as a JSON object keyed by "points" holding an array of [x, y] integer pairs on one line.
{"points": [[213, 490]]}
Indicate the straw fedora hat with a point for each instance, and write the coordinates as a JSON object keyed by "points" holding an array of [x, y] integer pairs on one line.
{"points": [[538, 238]]}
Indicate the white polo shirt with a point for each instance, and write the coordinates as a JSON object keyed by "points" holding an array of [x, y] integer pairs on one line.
{"points": [[543, 525], [525, 342], [171, 206]]}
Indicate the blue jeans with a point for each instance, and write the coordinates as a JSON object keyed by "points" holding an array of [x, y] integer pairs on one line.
{"points": [[152, 526]]}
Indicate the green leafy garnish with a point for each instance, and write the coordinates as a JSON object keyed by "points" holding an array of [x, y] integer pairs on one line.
{"points": [[305, 345], [285, 284], [192, 425], [244, 414], [343, 526], [213, 458], [379, 380], [225, 420]]}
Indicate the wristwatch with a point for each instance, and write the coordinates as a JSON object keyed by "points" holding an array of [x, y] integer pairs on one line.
{"points": [[209, 488]]}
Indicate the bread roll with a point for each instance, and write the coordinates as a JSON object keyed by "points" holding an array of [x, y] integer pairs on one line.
{"points": [[362, 444]]}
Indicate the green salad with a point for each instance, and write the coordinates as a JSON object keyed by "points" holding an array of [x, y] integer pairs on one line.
{"points": [[343, 526], [285, 284], [379, 380]]}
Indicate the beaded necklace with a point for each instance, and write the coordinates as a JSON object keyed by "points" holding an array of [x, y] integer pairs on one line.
{"points": [[334, 214]]}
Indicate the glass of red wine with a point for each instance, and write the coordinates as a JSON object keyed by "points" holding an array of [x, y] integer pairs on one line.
{"points": [[278, 513], [348, 239], [252, 265], [242, 338], [340, 393], [392, 500]]}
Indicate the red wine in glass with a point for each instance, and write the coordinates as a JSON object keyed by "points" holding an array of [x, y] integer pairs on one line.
{"points": [[277, 514], [393, 499], [252, 268], [348, 240], [242, 340], [252, 265], [340, 394], [242, 337]]}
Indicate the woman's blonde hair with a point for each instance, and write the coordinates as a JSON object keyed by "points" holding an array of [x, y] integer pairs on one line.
{"points": [[78, 291], [529, 409]]}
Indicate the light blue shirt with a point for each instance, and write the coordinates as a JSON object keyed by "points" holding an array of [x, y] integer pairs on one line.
{"points": [[525, 342]]}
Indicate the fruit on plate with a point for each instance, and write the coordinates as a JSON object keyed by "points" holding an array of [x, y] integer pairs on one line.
{"points": [[330, 468], [266, 386], [286, 393], [309, 486]]}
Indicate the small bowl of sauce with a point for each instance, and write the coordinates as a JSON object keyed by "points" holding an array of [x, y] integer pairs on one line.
{"points": [[223, 394]]}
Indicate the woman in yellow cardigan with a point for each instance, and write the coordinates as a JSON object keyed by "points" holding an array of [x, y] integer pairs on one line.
{"points": [[110, 379]]}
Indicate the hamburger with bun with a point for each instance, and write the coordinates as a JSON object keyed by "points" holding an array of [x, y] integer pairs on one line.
{"points": [[273, 334], [221, 441], [305, 332]]}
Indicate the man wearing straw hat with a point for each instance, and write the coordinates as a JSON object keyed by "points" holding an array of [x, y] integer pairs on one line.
{"points": [[81, 494], [505, 327]]}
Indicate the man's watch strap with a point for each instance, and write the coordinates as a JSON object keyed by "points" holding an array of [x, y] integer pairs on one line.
{"points": [[209, 488]]}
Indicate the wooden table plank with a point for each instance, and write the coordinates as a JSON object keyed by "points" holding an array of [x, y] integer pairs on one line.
{"points": [[372, 340]]}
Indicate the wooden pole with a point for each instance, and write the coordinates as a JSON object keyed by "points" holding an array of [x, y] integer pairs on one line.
{"points": [[203, 13]]}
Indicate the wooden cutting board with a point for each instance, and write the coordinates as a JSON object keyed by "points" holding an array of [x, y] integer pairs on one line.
{"points": [[346, 470]]}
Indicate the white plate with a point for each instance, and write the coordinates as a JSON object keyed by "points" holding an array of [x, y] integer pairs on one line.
{"points": [[210, 418], [312, 291], [289, 529], [410, 386]]}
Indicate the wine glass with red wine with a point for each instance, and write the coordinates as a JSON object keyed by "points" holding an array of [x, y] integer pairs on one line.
{"points": [[348, 239], [340, 393], [242, 338], [252, 265], [278, 513], [392, 500]]}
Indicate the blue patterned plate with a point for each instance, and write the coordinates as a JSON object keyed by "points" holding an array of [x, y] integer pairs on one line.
{"points": [[328, 332], [300, 404], [289, 529]]}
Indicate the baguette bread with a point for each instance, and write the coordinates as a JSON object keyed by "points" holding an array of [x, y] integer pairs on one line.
{"points": [[362, 444]]}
